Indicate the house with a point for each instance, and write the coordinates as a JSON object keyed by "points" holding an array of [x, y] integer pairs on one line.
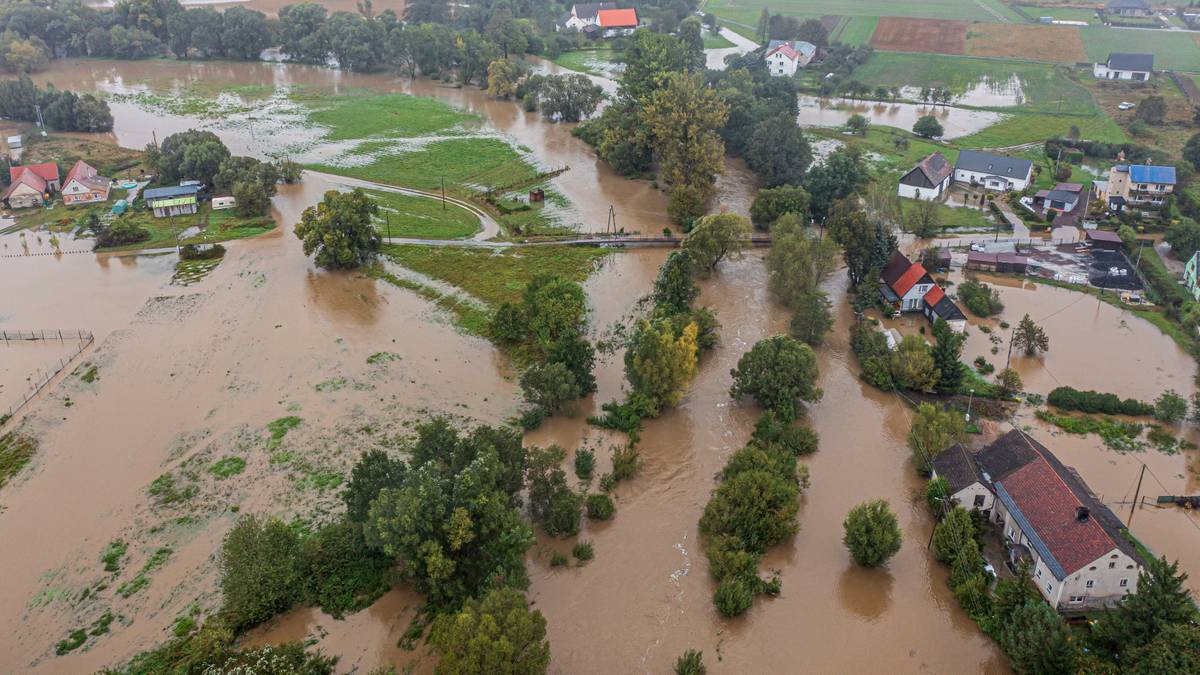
{"points": [[1190, 275], [1078, 553], [221, 203], [928, 180], [907, 287], [1104, 240], [47, 171], [1125, 66], [26, 191], [1065, 198], [1009, 263], [785, 57], [992, 172], [616, 22], [1129, 8], [1139, 185], [177, 200], [84, 185], [583, 15]]}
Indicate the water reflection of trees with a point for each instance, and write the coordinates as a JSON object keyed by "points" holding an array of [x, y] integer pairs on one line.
{"points": [[866, 592]]}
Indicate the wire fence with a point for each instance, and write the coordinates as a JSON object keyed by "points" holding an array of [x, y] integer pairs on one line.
{"points": [[82, 339]]}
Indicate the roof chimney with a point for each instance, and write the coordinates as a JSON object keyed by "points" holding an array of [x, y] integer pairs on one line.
{"points": [[1082, 513]]}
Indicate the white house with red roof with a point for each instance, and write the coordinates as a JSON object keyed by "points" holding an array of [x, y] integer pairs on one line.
{"points": [[84, 185], [907, 287], [583, 15], [614, 22], [785, 57], [1078, 551], [30, 185]]}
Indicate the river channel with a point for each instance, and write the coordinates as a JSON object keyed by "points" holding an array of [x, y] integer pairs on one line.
{"points": [[185, 372]]}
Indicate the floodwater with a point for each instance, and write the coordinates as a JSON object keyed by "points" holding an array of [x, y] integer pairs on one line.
{"points": [[957, 122], [986, 93]]}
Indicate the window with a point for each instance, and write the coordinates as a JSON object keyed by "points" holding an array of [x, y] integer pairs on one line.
{"points": [[1112, 565], [978, 501], [1076, 598], [1124, 583], [1090, 583], [1039, 573], [1092, 568], [1049, 588]]}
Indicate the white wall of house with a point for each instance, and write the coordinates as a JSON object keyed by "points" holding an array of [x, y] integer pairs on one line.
{"points": [[991, 181], [24, 197], [1101, 71], [779, 65], [78, 193], [914, 299], [927, 194], [974, 496], [1110, 576]]}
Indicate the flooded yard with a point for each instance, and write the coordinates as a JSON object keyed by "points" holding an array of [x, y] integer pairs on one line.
{"points": [[957, 122]]}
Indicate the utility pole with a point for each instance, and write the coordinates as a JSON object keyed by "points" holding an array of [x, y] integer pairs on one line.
{"points": [[1008, 361], [443, 193], [1136, 492]]}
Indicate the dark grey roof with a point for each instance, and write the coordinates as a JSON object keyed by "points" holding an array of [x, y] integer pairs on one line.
{"points": [[1127, 61], [590, 9], [169, 192], [955, 465], [895, 268], [1128, 4], [998, 165], [1007, 454], [1062, 196], [946, 309], [933, 168]]}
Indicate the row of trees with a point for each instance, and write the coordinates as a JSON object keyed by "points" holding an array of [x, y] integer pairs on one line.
{"points": [[62, 110]]}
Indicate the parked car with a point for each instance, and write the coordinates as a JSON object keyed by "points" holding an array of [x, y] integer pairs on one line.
{"points": [[1126, 105], [989, 570]]}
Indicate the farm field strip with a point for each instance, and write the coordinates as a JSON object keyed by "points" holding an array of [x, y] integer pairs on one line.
{"points": [[966, 10]]}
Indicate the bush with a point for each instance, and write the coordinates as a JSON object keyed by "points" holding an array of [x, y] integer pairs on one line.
{"points": [[690, 662], [559, 559], [600, 507], [937, 491], [260, 570], [872, 534], [1170, 407], [341, 573], [757, 507], [733, 596], [583, 551], [608, 482], [552, 503], [194, 252], [121, 233], [1089, 401], [585, 464], [625, 463], [980, 298]]}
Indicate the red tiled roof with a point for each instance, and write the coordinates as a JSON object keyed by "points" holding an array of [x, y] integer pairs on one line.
{"points": [[28, 178], [786, 50], [617, 18], [935, 295], [1050, 507], [47, 171], [81, 170], [909, 279]]}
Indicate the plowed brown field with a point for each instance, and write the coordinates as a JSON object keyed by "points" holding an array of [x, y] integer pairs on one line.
{"points": [[1060, 44], [934, 36]]}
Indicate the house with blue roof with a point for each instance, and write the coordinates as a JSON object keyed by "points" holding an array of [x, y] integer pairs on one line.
{"points": [[1139, 185], [174, 200]]}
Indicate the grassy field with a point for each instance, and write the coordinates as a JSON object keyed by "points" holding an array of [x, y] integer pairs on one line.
{"points": [[953, 217], [881, 141], [591, 61], [857, 31], [109, 159], [365, 114], [1062, 13], [216, 226], [716, 41], [1022, 128], [423, 218], [1172, 51], [929, 9], [1044, 88]]}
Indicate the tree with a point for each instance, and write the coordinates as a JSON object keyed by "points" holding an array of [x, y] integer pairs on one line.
{"points": [[928, 127], [1170, 407], [1037, 640], [1128, 237], [250, 181], [1174, 651], [925, 219], [1162, 600], [1030, 338], [553, 308], [1184, 238], [502, 79], [865, 245], [245, 33], [692, 42], [812, 319], [777, 371], [579, 357], [764, 21], [932, 431], [504, 30], [713, 238], [872, 534], [373, 472], [497, 634], [691, 662], [683, 118], [569, 98], [675, 288], [912, 365], [659, 364], [778, 151], [842, 174], [552, 503], [812, 30], [549, 386], [340, 231], [798, 262], [300, 32], [188, 155], [756, 507], [1009, 381], [259, 568], [771, 203], [952, 537], [857, 125], [1152, 110], [947, 358], [1191, 151]]}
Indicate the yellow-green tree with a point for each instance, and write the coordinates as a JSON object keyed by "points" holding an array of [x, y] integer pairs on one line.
{"points": [[659, 363], [714, 238], [501, 78], [683, 118]]}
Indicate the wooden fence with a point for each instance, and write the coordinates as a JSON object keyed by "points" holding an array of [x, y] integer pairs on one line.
{"points": [[82, 339]]}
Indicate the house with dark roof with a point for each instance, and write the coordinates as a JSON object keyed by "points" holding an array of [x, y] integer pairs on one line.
{"points": [[997, 262], [992, 172], [928, 180], [907, 287], [1063, 198], [176, 200], [1129, 8], [1125, 66], [785, 57], [1077, 549]]}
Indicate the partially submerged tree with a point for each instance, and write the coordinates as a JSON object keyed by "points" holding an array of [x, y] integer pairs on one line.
{"points": [[871, 533], [339, 230], [777, 372], [498, 634], [1030, 338], [933, 430], [714, 238]]}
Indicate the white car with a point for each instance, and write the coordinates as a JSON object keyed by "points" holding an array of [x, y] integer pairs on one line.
{"points": [[988, 569], [1126, 105]]}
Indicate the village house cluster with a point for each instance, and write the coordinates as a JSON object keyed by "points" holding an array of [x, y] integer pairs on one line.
{"points": [[599, 19]]}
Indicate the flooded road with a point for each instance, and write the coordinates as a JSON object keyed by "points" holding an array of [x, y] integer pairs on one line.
{"points": [[957, 122]]}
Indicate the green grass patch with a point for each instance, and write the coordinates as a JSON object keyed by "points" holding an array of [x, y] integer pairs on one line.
{"points": [[1063, 13], [422, 217], [466, 316], [953, 217], [166, 491], [227, 467], [593, 61], [363, 114], [1118, 435], [216, 226], [72, 642], [15, 452], [91, 373], [280, 428], [113, 554], [100, 626], [496, 277], [382, 357], [142, 579], [857, 31], [1171, 50], [712, 41], [1022, 128]]}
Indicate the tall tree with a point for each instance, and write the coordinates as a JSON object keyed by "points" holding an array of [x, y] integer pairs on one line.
{"points": [[693, 43], [714, 238], [777, 371], [683, 118], [840, 176], [933, 430], [812, 319], [675, 288], [1037, 640], [659, 364], [498, 634], [1162, 600], [871, 533], [799, 261], [1030, 338], [778, 151], [865, 245], [771, 203], [339, 230], [947, 357]]}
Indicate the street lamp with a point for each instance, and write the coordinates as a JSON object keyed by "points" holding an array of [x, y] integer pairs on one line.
{"points": [[970, 399]]}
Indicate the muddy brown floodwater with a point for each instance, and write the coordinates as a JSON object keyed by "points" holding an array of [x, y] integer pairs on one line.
{"points": [[821, 112]]}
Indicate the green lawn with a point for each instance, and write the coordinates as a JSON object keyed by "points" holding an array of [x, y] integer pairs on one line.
{"points": [[716, 41], [496, 277], [1172, 50], [953, 217], [590, 61], [1021, 128], [881, 141], [747, 11], [422, 218], [1063, 13], [224, 225], [857, 31], [1044, 87], [365, 114]]}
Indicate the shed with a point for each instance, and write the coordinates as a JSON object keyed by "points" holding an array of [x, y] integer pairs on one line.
{"points": [[981, 261], [1104, 240], [220, 203], [120, 207]]}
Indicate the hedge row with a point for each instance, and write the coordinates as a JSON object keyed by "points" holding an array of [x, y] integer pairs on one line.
{"points": [[1089, 401]]}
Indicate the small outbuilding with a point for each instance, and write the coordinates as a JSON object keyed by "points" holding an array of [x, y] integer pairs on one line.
{"points": [[1008, 263], [1104, 240], [221, 203], [928, 180], [173, 201]]}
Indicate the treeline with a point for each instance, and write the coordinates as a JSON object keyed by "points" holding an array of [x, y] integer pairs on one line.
{"points": [[62, 110], [1097, 402]]}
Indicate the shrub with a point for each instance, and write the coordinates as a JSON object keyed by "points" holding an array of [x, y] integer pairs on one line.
{"points": [[260, 570], [194, 252], [625, 463], [757, 507], [341, 573], [980, 298], [498, 634], [552, 503], [121, 233], [872, 534], [1089, 401], [937, 491], [600, 507], [583, 551], [1170, 407], [690, 662], [558, 559], [733, 596], [608, 482], [585, 464]]}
